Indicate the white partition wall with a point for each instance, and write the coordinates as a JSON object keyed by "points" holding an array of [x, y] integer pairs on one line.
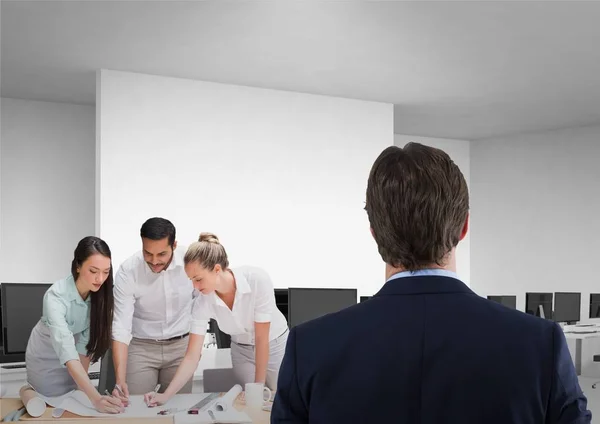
{"points": [[280, 177], [536, 214]]}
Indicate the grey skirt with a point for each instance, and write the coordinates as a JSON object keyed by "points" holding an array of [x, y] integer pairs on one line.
{"points": [[45, 374]]}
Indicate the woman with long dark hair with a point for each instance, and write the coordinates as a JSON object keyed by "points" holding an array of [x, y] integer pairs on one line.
{"points": [[75, 328]]}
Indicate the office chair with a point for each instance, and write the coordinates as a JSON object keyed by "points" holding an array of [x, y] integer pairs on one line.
{"points": [[223, 339], [596, 359], [215, 380], [107, 378]]}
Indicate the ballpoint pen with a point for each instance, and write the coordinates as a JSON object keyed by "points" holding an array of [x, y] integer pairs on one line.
{"points": [[120, 390], [107, 393], [156, 390]]}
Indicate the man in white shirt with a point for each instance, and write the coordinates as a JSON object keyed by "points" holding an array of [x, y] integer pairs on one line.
{"points": [[153, 303]]}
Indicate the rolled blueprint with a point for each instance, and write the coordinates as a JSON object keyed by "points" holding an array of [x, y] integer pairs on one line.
{"points": [[227, 400], [34, 405]]}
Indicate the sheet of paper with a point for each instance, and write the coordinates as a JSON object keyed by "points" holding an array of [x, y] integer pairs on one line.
{"points": [[226, 402], [78, 403]]}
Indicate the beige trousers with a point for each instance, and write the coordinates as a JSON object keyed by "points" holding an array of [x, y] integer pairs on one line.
{"points": [[244, 363], [151, 362]]}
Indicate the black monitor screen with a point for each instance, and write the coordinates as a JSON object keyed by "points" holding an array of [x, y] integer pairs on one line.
{"points": [[539, 304], [508, 301], [595, 305], [21, 311], [307, 304], [567, 307]]}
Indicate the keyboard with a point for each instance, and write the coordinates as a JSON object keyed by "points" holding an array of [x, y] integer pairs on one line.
{"points": [[13, 366], [94, 375]]}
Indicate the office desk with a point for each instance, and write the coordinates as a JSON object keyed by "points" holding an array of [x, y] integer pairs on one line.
{"points": [[7, 405], [577, 333]]}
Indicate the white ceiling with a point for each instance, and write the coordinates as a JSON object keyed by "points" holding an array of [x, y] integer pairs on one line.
{"points": [[465, 70]]}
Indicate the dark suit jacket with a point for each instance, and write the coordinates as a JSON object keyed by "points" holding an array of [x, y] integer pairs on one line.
{"points": [[427, 350]]}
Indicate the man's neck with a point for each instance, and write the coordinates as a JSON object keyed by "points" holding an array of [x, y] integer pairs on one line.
{"points": [[449, 265]]}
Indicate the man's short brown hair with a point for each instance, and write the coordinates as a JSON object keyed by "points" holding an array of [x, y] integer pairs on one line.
{"points": [[417, 203]]}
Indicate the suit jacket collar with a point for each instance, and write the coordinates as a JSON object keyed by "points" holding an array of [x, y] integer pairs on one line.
{"points": [[426, 284]]}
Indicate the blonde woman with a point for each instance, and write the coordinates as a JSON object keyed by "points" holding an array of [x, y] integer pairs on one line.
{"points": [[242, 301]]}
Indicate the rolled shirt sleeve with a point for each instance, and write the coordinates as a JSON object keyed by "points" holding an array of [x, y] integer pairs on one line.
{"points": [[63, 342], [124, 305], [200, 316], [265, 297]]}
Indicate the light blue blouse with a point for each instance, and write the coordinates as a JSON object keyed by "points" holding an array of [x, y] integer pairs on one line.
{"points": [[67, 315]]}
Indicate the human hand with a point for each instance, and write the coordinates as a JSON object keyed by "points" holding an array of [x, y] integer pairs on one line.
{"points": [[122, 394], [108, 404], [153, 399]]}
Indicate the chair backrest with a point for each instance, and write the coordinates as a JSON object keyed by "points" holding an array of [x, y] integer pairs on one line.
{"points": [[215, 380], [107, 378], [223, 339]]}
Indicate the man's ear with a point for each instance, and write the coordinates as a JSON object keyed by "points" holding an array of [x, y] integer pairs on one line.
{"points": [[372, 232], [217, 268], [175, 245], [465, 228]]}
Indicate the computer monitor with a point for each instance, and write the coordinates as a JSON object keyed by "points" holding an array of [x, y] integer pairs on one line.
{"points": [[567, 307], [595, 305], [308, 304], [539, 304], [506, 300], [281, 301], [21, 305]]}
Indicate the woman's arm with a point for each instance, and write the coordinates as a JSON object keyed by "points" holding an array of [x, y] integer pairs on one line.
{"points": [[107, 404], [184, 372], [263, 309], [261, 350], [63, 342], [85, 362], [78, 372]]}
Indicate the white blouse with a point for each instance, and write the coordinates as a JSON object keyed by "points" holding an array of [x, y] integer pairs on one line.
{"points": [[254, 302]]}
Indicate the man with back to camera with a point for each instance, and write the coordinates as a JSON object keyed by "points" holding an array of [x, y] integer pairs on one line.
{"points": [[425, 349], [152, 317]]}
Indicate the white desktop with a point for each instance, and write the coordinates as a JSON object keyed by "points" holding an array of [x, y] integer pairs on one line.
{"points": [[583, 340]]}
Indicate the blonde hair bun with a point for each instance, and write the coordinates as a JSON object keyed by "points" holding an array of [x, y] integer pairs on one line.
{"points": [[208, 237]]}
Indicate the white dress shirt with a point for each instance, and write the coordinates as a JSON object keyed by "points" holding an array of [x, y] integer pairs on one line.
{"points": [[254, 302], [151, 305]]}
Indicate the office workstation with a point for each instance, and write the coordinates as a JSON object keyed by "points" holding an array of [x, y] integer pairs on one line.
{"points": [[564, 308], [21, 309], [298, 305]]}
